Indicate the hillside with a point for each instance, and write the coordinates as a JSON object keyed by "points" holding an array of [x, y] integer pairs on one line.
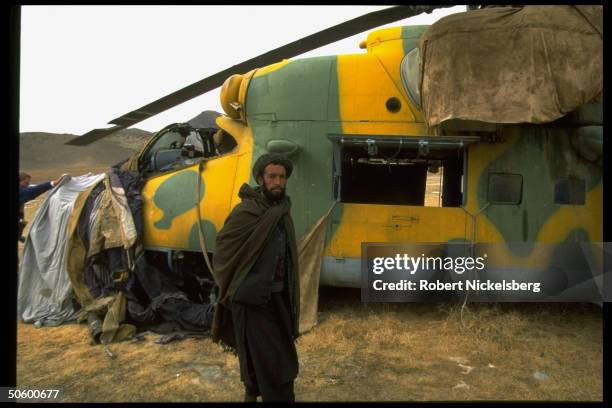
{"points": [[45, 154]]}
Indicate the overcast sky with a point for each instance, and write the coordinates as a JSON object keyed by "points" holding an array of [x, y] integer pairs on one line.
{"points": [[82, 66]]}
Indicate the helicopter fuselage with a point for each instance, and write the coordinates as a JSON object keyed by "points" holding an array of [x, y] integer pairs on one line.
{"points": [[360, 146]]}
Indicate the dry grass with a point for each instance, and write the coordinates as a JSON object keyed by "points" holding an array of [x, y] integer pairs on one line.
{"points": [[433, 189], [409, 351], [357, 352]]}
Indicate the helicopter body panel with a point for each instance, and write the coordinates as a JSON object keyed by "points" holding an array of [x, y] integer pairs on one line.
{"points": [[169, 212], [337, 116]]}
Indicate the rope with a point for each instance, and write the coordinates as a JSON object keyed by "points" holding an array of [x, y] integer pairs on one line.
{"points": [[473, 242], [197, 207]]}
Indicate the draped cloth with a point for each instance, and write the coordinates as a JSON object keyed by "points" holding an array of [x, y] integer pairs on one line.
{"points": [[531, 64], [239, 243]]}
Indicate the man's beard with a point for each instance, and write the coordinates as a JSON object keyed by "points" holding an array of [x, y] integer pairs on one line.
{"points": [[274, 197]]}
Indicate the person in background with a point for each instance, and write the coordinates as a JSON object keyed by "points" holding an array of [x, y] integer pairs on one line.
{"points": [[29, 192]]}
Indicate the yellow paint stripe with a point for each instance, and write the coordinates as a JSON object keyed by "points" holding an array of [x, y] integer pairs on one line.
{"points": [[569, 217], [393, 223], [271, 68]]}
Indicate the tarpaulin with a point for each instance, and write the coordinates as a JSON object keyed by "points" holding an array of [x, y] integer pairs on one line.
{"points": [[310, 255], [530, 64], [45, 291], [111, 278]]}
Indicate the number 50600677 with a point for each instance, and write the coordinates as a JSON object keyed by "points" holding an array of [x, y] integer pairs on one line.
{"points": [[32, 394]]}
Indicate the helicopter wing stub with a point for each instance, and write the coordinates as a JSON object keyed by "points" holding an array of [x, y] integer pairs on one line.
{"points": [[311, 42], [92, 136]]}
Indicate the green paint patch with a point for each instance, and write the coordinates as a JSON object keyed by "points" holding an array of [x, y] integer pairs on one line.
{"points": [[300, 102], [543, 156], [335, 218], [411, 35], [210, 236], [176, 195], [296, 91], [572, 264]]}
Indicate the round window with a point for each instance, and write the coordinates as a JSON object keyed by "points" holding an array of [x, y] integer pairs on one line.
{"points": [[393, 105]]}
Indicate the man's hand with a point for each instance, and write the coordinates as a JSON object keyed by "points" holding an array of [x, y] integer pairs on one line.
{"points": [[58, 180]]}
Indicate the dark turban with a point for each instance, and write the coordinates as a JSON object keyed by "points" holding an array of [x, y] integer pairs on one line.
{"points": [[271, 158]]}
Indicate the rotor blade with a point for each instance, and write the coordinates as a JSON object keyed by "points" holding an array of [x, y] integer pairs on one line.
{"points": [[311, 42], [92, 136]]}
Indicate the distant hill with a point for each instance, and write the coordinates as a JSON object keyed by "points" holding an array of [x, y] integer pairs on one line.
{"points": [[40, 150]]}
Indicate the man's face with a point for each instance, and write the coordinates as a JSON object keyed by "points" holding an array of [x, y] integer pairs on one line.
{"points": [[25, 182], [274, 181]]}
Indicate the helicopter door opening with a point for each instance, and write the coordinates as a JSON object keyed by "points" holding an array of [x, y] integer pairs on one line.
{"points": [[420, 171]]}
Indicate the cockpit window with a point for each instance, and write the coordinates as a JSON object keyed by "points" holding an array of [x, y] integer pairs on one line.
{"points": [[411, 76], [224, 142], [172, 139], [182, 145]]}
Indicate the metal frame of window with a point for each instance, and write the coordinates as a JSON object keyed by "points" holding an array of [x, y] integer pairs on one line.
{"points": [[425, 142]]}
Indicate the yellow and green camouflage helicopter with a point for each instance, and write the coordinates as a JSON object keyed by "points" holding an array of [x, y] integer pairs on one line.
{"points": [[363, 134]]}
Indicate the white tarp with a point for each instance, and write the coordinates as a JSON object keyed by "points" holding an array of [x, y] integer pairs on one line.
{"points": [[45, 292]]}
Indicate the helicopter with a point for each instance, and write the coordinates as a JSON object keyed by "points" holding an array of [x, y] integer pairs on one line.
{"points": [[367, 135]]}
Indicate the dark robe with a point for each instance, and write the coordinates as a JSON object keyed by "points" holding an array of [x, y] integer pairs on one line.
{"points": [[255, 267]]}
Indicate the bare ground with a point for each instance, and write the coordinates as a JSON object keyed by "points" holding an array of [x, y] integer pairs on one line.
{"points": [[357, 352]]}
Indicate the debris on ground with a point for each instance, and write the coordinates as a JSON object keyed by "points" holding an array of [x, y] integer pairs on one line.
{"points": [[167, 338], [461, 384], [459, 360], [108, 351], [138, 338], [541, 376], [466, 369], [206, 371]]}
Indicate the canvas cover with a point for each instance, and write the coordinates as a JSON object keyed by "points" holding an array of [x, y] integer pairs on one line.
{"points": [[44, 291], [112, 281], [529, 64], [310, 256]]}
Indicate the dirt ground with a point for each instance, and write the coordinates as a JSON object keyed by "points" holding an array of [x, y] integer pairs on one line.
{"points": [[357, 352]]}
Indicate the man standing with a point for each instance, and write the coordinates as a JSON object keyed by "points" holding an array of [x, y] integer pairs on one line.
{"points": [[255, 268]]}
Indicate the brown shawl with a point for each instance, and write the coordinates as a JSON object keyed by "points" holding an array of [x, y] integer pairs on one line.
{"points": [[238, 245]]}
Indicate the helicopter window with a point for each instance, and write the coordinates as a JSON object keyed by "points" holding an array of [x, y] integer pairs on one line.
{"points": [[402, 176], [184, 146], [170, 140], [411, 76], [224, 142], [201, 142], [570, 191], [393, 105], [505, 188]]}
